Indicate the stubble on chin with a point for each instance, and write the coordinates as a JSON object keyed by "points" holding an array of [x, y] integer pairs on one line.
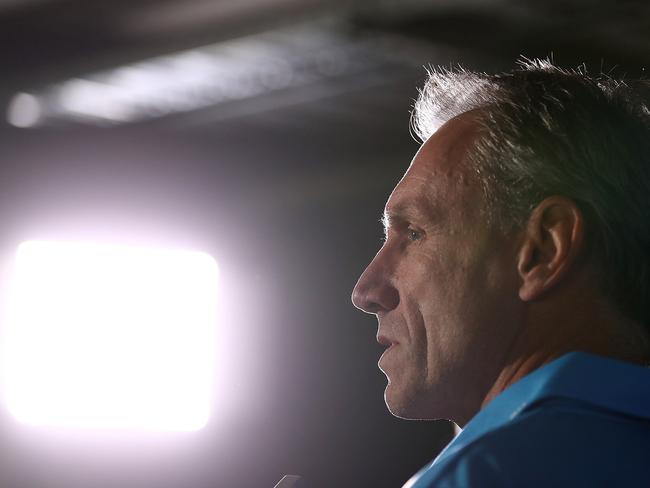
{"points": [[404, 401]]}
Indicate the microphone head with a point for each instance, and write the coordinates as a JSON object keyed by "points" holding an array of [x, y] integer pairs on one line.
{"points": [[290, 481]]}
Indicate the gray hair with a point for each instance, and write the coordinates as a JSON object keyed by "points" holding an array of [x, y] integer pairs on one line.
{"points": [[548, 131]]}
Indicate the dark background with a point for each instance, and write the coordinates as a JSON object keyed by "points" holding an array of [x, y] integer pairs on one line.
{"points": [[284, 186]]}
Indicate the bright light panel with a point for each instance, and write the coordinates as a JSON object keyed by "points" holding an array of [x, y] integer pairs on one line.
{"points": [[104, 336]]}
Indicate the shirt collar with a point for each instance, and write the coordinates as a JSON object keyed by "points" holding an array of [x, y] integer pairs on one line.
{"points": [[602, 382]]}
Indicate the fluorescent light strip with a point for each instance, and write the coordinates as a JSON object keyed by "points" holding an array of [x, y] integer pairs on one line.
{"points": [[197, 78]]}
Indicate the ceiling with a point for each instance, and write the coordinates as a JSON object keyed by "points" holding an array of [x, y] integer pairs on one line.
{"points": [[45, 42]]}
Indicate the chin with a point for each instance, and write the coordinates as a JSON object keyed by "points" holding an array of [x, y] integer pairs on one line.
{"points": [[404, 406]]}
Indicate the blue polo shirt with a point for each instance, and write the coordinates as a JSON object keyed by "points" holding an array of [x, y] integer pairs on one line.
{"points": [[579, 421]]}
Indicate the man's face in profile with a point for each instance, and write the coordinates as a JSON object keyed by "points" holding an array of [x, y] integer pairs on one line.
{"points": [[443, 285]]}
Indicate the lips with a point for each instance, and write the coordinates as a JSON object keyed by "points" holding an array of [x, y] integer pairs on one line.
{"points": [[389, 344], [384, 360]]}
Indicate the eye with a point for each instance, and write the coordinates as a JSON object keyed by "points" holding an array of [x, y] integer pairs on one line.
{"points": [[413, 235]]}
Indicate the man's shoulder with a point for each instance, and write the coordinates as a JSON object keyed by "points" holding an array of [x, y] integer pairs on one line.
{"points": [[559, 443]]}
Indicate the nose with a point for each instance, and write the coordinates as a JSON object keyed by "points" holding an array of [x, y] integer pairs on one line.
{"points": [[374, 292]]}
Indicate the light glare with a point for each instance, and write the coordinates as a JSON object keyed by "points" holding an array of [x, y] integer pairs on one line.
{"points": [[104, 336], [24, 110]]}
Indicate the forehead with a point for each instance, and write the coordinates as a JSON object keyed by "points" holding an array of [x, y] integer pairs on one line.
{"points": [[440, 176]]}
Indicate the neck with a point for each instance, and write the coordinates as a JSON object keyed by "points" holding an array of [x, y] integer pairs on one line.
{"points": [[597, 329]]}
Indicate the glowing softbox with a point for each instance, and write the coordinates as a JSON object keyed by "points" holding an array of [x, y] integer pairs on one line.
{"points": [[104, 336]]}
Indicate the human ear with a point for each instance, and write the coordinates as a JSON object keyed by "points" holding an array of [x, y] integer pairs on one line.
{"points": [[552, 241]]}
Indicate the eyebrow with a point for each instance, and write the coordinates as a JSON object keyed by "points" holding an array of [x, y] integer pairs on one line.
{"points": [[408, 212], [389, 219]]}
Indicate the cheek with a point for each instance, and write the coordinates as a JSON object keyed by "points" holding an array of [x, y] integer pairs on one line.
{"points": [[430, 298], [479, 306], [451, 296], [449, 287]]}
